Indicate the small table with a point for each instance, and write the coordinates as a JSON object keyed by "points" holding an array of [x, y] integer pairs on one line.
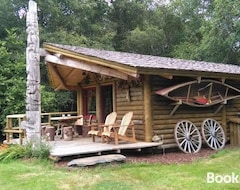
{"points": [[63, 122]]}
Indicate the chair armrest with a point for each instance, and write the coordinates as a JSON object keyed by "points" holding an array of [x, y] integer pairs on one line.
{"points": [[103, 125], [118, 126], [93, 126], [106, 128]]}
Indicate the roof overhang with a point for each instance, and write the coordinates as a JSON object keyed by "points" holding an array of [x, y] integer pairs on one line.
{"points": [[68, 65], [67, 69]]}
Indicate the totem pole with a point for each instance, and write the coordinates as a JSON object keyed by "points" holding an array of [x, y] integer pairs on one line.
{"points": [[33, 95]]}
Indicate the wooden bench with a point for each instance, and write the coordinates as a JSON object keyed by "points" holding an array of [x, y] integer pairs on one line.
{"points": [[13, 126]]}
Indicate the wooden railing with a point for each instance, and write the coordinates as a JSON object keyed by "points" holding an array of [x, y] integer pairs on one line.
{"points": [[46, 117], [13, 123]]}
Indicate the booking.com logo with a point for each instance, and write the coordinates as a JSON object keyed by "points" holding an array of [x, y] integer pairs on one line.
{"points": [[214, 178]]}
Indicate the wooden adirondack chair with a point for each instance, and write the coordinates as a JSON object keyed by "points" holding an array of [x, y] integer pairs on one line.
{"points": [[98, 129], [119, 131]]}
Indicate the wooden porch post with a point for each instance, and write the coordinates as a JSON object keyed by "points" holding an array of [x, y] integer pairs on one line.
{"points": [[98, 103], [80, 101], [33, 95], [147, 108], [114, 96]]}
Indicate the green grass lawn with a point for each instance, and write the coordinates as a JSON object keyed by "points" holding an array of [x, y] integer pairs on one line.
{"points": [[40, 174]]}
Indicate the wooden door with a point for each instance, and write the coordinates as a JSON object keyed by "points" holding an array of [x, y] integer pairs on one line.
{"points": [[106, 101]]}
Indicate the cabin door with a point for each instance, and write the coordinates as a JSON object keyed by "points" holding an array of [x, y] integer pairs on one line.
{"points": [[89, 102], [106, 101]]}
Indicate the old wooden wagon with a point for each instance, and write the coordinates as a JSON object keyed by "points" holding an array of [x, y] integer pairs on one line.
{"points": [[207, 94]]}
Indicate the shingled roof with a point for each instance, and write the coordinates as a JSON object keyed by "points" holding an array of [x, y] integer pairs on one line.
{"points": [[151, 62]]}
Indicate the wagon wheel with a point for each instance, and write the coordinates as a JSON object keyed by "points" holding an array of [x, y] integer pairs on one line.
{"points": [[188, 137], [213, 134]]}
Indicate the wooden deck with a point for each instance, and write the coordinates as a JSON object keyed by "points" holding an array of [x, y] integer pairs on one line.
{"points": [[83, 146]]}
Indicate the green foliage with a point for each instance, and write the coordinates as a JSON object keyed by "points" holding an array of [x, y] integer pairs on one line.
{"points": [[13, 81], [81, 22], [211, 30], [48, 100], [40, 151], [67, 99], [220, 153], [150, 41], [62, 36], [12, 152], [221, 33], [194, 29], [9, 20], [12, 74], [186, 50], [192, 15], [126, 16]]}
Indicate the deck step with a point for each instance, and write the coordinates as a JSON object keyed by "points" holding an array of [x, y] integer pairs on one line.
{"points": [[93, 160]]}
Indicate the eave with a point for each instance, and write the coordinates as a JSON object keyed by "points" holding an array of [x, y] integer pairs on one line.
{"points": [[131, 71], [170, 73], [65, 62]]}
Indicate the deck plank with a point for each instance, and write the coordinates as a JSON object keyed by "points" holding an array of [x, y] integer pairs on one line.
{"points": [[81, 146]]}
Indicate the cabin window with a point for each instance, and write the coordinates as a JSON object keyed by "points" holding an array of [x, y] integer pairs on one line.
{"points": [[90, 101]]}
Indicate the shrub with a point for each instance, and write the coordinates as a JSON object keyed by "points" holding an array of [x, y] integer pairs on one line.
{"points": [[39, 151]]}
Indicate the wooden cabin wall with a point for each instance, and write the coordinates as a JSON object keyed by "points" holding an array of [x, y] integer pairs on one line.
{"points": [[232, 111], [129, 97], [164, 123], [233, 107]]}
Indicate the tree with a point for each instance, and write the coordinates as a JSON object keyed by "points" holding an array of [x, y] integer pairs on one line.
{"points": [[156, 36], [221, 33], [151, 41], [9, 18], [193, 29], [12, 72], [13, 78], [126, 16], [211, 30], [192, 14]]}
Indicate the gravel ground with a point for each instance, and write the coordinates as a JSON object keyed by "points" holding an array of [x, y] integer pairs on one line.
{"points": [[157, 156], [173, 156]]}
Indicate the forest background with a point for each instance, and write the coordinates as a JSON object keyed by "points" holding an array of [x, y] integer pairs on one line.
{"points": [[207, 30]]}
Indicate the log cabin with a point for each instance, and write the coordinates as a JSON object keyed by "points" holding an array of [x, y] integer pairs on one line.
{"points": [[108, 81]]}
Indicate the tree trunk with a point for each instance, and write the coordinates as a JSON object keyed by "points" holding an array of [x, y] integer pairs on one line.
{"points": [[33, 96]]}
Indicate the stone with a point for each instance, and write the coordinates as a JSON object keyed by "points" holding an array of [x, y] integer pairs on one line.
{"points": [[93, 160]]}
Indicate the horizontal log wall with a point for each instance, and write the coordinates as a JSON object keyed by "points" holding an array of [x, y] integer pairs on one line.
{"points": [[232, 111], [130, 98], [164, 123]]}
